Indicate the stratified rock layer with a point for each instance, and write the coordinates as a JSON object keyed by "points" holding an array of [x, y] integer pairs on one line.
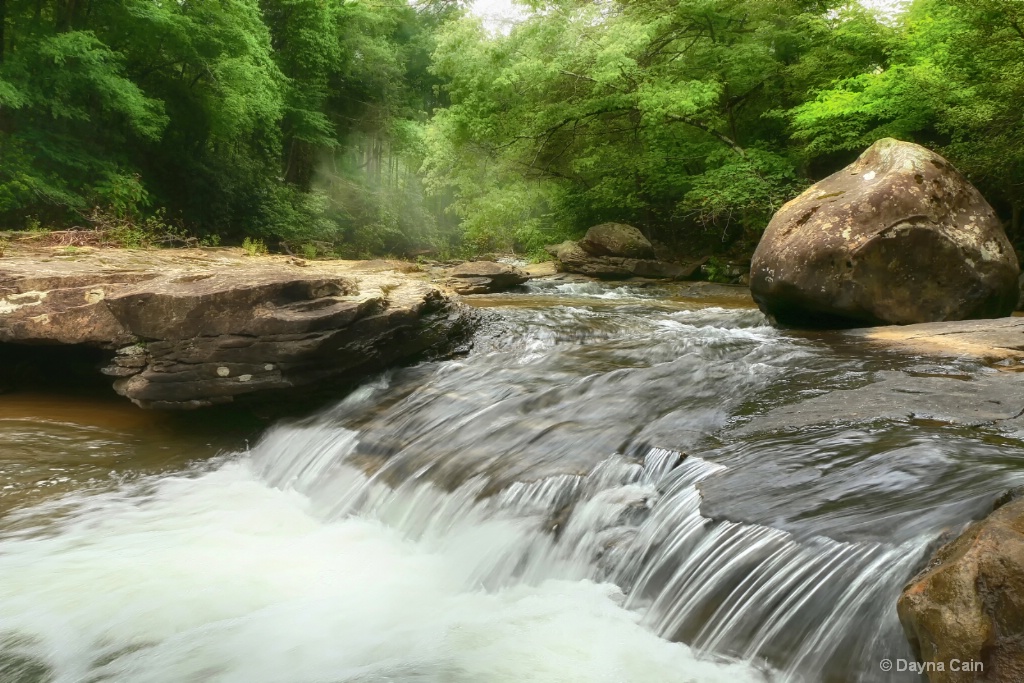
{"points": [[897, 237], [485, 277], [966, 610], [616, 251], [617, 239], [196, 328]]}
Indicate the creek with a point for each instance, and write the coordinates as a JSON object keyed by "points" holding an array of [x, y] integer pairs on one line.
{"points": [[581, 499]]}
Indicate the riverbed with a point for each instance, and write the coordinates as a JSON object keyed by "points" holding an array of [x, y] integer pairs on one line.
{"points": [[596, 493]]}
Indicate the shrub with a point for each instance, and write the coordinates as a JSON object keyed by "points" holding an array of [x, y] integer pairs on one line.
{"points": [[254, 247]]}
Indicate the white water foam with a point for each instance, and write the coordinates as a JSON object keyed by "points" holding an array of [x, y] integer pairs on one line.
{"points": [[590, 289], [220, 577]]}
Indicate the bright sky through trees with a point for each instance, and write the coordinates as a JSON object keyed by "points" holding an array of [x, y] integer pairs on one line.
{"points": [[499, 12], [332, 127]]}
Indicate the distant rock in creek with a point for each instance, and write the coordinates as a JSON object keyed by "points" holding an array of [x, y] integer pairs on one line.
{"points": [[966, 609], [188, 329], [485, 277], [897, 237], [616, 251]]}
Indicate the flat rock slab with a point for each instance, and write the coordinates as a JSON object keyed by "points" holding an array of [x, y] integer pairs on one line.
{"points": [[987, 340], [990, 399], [991, 395], [193, 328]]}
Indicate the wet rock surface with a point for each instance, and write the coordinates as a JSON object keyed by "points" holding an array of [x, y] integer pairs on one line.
{"points": [[485, 277], [886, 439], [967, 606], [984, 400], [1000, 339], [899, 236], [190, 329], [988, 391]]}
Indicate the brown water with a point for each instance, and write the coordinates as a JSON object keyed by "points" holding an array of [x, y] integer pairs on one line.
{"points": [[52, 444], [576, 501]]}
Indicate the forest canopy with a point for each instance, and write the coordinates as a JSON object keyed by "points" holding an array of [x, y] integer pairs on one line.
{"points": [[361, 127]]}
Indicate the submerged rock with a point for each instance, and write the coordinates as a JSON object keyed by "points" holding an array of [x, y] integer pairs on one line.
{"points": [[897, 237], [485, 277], [192, 329], [616, 251], [966, 609]]}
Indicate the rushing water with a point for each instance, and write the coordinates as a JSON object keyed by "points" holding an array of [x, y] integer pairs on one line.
{"points": [[575, 501]]}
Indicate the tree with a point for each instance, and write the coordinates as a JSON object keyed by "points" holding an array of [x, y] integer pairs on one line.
{"points": [[663, 113], [953, 79]]}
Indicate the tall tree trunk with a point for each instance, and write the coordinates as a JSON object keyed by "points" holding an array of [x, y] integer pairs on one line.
{"points": [[300, 167]]}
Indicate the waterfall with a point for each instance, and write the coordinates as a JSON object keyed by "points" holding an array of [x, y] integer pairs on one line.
{"points": [[574, 502]]}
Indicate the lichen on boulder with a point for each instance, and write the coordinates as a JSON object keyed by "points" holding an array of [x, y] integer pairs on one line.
{"points": [[897, 237]]}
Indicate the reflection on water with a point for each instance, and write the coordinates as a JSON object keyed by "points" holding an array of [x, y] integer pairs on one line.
{"points": [[52, 444], [558, 506]]}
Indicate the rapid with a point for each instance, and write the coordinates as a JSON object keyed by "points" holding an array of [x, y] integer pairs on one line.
{"points": [[580, 499]]}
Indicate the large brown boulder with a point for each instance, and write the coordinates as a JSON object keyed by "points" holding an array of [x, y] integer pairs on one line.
{"points": [[966, 610], [485, 277], [187, 329], [617, 239], [897, 237]]}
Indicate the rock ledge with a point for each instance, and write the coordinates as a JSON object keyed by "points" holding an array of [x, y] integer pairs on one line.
{"points": [[193, 328]]}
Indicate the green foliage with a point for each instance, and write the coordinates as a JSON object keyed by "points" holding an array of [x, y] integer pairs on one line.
{"points": [[741, 191], [254, 247], [952, 79], [661, 113], [345, 127], [221, 114], [716, 270], [124, 194]]}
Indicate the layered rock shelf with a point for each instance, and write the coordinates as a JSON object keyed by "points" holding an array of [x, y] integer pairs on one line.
{"points": [[194, 328], [485, 277], [613, 251]]}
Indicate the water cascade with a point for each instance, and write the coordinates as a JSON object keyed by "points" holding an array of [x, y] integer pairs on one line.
{"points": [[575, 501]]}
